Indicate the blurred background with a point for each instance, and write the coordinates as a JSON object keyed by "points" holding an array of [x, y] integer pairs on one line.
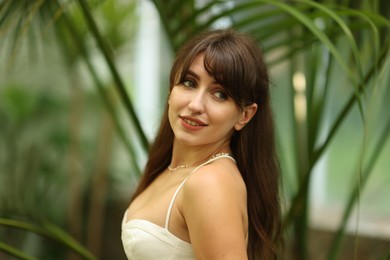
{"points": [[82, 88]]}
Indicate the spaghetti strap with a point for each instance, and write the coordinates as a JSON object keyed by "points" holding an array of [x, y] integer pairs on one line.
{"points": [[215, 157]]}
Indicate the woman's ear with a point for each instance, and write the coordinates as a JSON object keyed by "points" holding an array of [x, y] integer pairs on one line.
{"points": [[246, 115]]}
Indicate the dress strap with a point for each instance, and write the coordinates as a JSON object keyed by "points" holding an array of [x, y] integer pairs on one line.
{"points": [[214, 158]]}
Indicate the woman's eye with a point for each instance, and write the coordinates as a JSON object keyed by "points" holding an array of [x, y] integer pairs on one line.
{"points": [[221, 95], [188, 83]]}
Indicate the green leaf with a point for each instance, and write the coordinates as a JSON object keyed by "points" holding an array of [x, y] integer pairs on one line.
{"points": [[107, 53], [49, 231], [14, 252]]}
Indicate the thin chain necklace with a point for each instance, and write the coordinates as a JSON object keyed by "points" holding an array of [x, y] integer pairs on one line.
{"points": [[182, 166], [178, 167]]}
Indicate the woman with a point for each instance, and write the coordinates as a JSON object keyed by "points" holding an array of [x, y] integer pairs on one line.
{"points": [[210, 186]]}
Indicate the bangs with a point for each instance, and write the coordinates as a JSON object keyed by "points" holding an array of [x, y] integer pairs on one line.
{"points": [[224, 67], [228, 60]]}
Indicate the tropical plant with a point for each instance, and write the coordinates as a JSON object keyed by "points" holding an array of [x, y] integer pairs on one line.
{"points": [[45, 162], [335, 52]]}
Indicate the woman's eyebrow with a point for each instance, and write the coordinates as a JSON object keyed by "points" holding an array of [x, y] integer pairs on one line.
{"points": [[193, 74], [196, 76]]}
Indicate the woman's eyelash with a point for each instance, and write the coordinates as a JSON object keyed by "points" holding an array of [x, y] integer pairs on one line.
{"points": [[218, 93], [221, 95], [188, 83]]}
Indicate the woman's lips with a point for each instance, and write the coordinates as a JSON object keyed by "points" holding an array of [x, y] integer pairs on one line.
{"points": [[192, 123]]}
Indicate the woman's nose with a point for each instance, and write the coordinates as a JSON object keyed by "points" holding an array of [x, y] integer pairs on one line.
{"points": [[196, 104]]}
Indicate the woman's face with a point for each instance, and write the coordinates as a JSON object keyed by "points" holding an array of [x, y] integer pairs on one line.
{"points": [[200, 112]]}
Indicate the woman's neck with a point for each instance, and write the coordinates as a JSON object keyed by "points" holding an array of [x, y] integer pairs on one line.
{"points": [[191, 156]]}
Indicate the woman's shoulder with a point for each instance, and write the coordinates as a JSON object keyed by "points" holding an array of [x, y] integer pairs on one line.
{"points": [[219, 178], [222, 168], [213, 198]]}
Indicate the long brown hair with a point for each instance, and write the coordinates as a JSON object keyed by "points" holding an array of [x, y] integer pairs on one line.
{"points": [[235, 60]]}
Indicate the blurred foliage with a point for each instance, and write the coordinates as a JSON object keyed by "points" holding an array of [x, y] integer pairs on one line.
{"points": [[56, 134]]}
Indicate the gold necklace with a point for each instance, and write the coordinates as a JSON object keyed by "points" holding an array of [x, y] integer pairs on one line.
{"points": [[218, 155], [171, 169], [178, 167]]}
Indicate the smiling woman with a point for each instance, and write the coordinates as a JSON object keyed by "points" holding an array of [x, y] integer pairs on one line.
{"points": [[200, 111], [209, 189]]}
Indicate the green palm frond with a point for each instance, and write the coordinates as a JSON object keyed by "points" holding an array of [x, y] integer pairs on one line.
{"points": [[106, 51], [48, 230], [68, 32], [14, 252]]}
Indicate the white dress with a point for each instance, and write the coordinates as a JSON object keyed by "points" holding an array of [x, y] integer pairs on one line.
{"points": [[144, 240]]}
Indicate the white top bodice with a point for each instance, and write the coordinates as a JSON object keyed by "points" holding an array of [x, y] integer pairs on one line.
{"points": [[144, 240]]}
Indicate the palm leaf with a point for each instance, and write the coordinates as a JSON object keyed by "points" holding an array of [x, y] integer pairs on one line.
{"points": [[116, 77], [14, 252], [50, 231], [79, 43], [357, 189]]}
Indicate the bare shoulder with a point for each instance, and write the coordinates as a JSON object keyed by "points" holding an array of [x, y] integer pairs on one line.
{"points": [[214, 198], [218, 185], [219, 176]]}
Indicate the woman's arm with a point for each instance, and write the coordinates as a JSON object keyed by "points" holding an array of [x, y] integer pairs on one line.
{"points": [[214, 208]]}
